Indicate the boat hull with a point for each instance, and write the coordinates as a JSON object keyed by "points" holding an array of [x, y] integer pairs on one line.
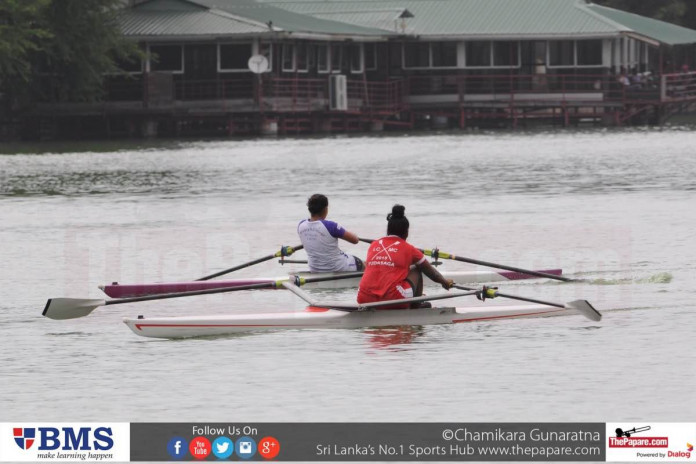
{"points": [[116, 290], [325, 318]]}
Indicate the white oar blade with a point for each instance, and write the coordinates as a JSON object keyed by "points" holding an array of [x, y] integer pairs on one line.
{"points": [[70, 308], [585, 308]]}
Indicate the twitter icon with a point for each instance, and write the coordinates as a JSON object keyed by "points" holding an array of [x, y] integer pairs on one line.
{"points": [[223, 447]]}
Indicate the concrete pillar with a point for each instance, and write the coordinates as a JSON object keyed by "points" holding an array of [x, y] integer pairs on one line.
{"points": [[326, 125], [377, 126], [269, 127], [440, 122], [148, 128]]}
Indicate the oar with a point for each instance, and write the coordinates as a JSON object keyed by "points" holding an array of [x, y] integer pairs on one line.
{"points": [[284, 251], [439, 254], [367, 306], [582, 306], [71, 308]]}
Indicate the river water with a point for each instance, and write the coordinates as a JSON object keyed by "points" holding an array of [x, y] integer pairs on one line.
{"points": [[614, 209]]}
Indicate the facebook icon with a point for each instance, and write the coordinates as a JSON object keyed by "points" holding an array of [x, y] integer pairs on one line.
{"points": [[177, 447]]}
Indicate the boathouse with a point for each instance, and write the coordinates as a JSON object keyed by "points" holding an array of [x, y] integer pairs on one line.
{"points": [[356, 65]]}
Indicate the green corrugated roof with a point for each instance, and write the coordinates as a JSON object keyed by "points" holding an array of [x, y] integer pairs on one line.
{"points": [[664, 32], [490, 19], [286, 20], [384, 20], [227, 17], [472, 18], [184, 23]]}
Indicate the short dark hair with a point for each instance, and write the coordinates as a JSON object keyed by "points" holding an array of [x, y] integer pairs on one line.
{"points": [[317, 203], [397, 222]]}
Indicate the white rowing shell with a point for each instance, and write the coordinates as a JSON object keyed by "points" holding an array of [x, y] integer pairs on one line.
{"points": [[323, 318]]}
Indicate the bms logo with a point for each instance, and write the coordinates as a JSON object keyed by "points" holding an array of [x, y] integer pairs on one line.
{"points": [[24, 437], [65, 438]]}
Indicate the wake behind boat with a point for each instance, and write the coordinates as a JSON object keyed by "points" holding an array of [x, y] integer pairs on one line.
{"points": [[116, 290]]}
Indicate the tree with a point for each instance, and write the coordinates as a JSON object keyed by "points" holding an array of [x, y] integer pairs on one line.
{"points": [[58, 50], [86, 44], [21, 36]]}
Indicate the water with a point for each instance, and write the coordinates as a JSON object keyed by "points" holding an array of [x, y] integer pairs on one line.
{"points": [[614, 209]]}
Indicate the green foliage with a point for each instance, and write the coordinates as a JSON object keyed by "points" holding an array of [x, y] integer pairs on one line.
{"points": [[21, 34], [58, 50], [86, 43]]}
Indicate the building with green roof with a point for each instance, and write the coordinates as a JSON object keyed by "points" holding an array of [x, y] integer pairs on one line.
{"points": [[338, 64]]}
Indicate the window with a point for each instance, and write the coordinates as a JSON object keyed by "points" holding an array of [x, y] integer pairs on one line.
{"points": [[478, 54], [266, 49], [506, 54], [417, 55], [288, 57], [323, 58], [302, 57], [234, 57], [444, 54], [575, 53], [561, 53], [356, 58], [167, 58], [370, 56], [589, 52], [336, 58]]}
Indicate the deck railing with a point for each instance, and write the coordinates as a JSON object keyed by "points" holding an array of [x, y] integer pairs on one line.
{"points": [[530, 87], [678, 87], [391, 96]]}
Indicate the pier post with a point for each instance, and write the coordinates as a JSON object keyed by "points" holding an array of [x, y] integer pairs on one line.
{"points": [[269, 127], [377, 126], [148, 128]]}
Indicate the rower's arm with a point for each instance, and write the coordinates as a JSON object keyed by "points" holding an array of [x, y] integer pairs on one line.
{"points": [[349, 236], [434, 275]]}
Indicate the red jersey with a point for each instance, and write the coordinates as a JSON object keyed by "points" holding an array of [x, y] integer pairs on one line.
{"points": [[387, 265]]}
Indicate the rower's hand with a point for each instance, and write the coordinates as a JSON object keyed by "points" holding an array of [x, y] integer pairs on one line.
{"points": [[448, 284]]}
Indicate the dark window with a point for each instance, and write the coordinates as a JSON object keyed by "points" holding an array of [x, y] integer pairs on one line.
{"points": [[302, 56], [417, 55], [589, 52], [234, 56], [266, 49], [478, 54], [323, 58], [444, 54], [561, 53], [336, 58], [288, 57], [356, 64], [166, 58], [506, 54], [370, 56]]}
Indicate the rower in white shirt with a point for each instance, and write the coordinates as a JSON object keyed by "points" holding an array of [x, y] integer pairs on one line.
{"points": [[320, 239]]}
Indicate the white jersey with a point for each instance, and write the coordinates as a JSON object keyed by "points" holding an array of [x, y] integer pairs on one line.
{"points": [[320, 240]]}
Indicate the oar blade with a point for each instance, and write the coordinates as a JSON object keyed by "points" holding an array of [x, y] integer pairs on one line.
{"points": [[586, 309], [70, 308]]}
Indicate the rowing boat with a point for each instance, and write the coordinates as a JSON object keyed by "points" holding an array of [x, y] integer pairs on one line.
{"points": [[117, 290], [314, 317]]}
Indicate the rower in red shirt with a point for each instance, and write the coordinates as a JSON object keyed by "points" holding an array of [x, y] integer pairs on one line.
{"points": [[388, 268]]}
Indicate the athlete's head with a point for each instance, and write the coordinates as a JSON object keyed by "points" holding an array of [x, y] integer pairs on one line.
{"points": [[397, 223], [317, 203]]}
